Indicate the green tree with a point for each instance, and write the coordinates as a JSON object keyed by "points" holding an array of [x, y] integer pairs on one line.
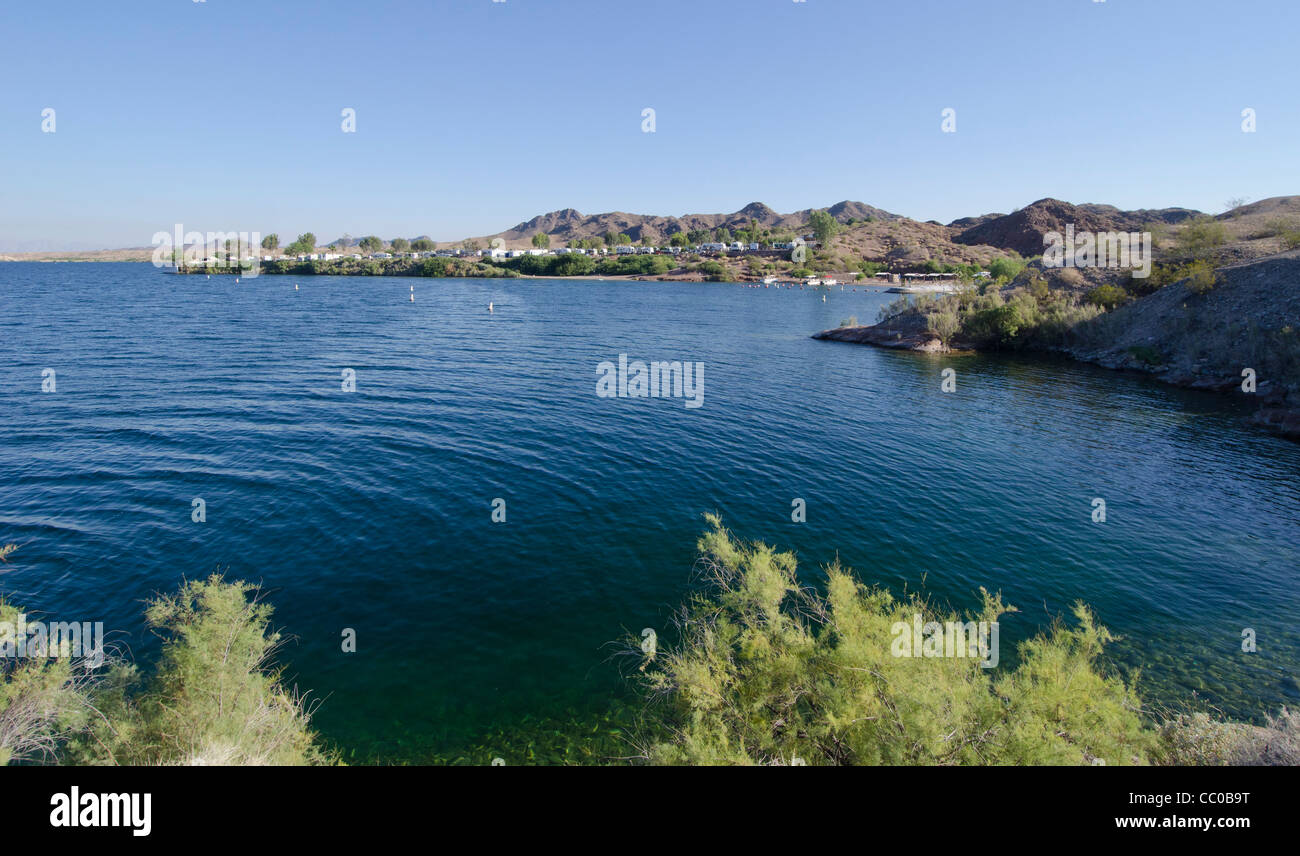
{"points": [[824, 226], [370, 244], [400, 245], [541, 240], [1006, 268], [271, 242], [422, 245], [306, 243]]}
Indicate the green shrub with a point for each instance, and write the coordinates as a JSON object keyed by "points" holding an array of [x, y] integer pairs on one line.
{"points": [[43, 701], [1038, 287], [568, 264], [215, 698], [1070, 277], [436, 267], [1146, 355], [894, 308], [644, 265], [1163, 274], [945, 324], [1108, 296], [1006, 268], [1021, 318], [770, 672], [1199, 235], [995, 326], [1200, 277]]}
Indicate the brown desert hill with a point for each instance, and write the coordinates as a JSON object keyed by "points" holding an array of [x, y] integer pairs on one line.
{"points": [[1267, 218], [904, 244], [1273, 206], [963, 223], [1137, 219], [1023, 230], [551, 223], [1249, 233], [847, 211], [571, 225]]}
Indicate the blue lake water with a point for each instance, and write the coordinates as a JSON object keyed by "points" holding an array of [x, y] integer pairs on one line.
{"points": [[372, 509]]}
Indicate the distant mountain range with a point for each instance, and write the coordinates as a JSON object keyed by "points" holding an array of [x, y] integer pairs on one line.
{"points": [[570, 225], [875, 232], [1021, 231]]}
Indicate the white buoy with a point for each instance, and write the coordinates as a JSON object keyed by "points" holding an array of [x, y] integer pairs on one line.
{"points": [[489, 306], [823, 298], [295, 286]]}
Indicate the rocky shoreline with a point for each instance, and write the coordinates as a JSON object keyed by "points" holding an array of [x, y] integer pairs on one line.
{"points": [[907, 332], [1279, 409], [1241, 338]]}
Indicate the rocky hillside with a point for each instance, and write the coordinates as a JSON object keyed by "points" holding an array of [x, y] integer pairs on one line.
{"points": [[1249, 320], [903, 243], [1023, 230], [570, 225]]}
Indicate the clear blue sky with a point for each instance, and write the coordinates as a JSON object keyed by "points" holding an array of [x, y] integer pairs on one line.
{"points": [[474, 115]]}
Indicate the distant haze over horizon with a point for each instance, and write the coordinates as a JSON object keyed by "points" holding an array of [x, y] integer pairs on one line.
{"points": [[124, 126]]}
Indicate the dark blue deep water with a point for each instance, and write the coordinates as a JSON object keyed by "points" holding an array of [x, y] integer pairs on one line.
{"points": [[372, 509]]}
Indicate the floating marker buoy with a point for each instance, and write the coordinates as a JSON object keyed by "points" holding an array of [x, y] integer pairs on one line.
{"points": [[489, 306], [295, 286]]}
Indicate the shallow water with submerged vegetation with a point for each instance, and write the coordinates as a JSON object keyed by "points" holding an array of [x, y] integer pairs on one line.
{"points": [[372, 510]]}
